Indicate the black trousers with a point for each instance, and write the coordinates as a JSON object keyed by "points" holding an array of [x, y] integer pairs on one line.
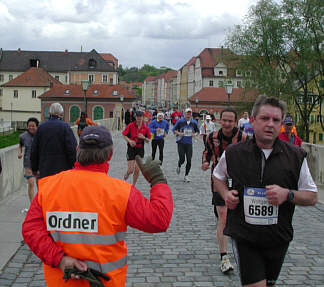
{"points": [[158, 143], [185, 151]]}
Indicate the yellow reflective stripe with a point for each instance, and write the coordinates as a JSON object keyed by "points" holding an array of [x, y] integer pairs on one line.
{"points": [[81, 238], [108, 266]]}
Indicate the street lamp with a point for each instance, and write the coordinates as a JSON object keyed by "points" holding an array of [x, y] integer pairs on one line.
{"points": [[196, 101], [10, 114], [85, 86], [229, 90]]}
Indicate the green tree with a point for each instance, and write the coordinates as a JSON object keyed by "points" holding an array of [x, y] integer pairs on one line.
{"points": [[278, 48]]}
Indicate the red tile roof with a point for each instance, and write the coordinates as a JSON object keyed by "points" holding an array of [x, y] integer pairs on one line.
{"points": [[210, 57], [33, 77], [150, 79], [109, 58], [211, 94], [75, 91], [170, 75]]}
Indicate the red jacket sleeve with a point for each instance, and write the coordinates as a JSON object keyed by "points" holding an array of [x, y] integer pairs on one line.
{"points": [[38, 238], [150, 215]]}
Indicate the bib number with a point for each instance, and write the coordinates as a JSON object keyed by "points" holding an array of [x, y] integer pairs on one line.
{"points": [[257, 209], [187, 132], [160, 133]]}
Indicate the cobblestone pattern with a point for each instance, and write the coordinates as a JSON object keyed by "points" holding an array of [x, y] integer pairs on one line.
{"points": [[187, 254]]}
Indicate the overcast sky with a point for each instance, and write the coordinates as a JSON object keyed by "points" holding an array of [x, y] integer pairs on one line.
{"points": [[137, 32]]}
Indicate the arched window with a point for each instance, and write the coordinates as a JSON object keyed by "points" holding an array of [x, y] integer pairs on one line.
{"points": [[74, 113], [98, 113]]}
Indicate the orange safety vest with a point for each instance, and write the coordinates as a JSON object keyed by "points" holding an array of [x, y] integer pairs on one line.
{"points": [[84, 212]]}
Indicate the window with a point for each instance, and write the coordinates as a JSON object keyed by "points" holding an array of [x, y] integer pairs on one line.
{"points": [[67, 92], [320, 137], [90, 78], [238, 73], [311, 118], [57, 78], [111, 81], [92, 64], [0, 92], [104, 78], [1, 78], [34, 63], [111, 114], [10, 77], [95, 92], [98, 113], [239, 84], [248, 73], [16, 94], [211, 83], [66, 79], [220, 73], [74, 113], [33, 94], [221, 84], [115, 93]]}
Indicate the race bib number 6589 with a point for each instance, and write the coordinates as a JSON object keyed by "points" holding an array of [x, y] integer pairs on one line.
{"points": [[257, 209]]}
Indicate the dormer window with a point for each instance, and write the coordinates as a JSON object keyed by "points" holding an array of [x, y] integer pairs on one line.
{"points": [[95, 92], [67, 92], [115, 93], [92, 64], [34, 63], [220, 73]]}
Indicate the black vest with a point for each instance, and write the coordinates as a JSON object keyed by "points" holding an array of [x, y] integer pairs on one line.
{"points": [[244, 161]]}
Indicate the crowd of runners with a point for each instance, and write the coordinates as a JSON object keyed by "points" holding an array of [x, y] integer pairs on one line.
{"points": [[259, 173]]}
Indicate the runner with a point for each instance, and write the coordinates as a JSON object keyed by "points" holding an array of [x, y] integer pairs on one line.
{"points": [[185, 129], [135, 134], [216, 143], [159, 129], [175, 116], [206, 128]]}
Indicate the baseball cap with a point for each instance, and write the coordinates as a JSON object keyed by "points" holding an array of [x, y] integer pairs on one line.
{"points": [[95, 137], [208, 117], [139, 113], [288, 120], [187, 110]]}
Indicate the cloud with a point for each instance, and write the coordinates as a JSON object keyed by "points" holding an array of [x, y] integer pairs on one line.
{"points": [[137, 32]]}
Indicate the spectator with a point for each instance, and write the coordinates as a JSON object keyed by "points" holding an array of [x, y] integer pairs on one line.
{"points": [[54, 145]]}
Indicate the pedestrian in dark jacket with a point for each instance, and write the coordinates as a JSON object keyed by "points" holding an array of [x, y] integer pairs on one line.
{"points": [[54, 145]]}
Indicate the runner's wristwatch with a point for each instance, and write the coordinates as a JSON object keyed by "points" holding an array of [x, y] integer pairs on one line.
{"points": [[290, 196]]}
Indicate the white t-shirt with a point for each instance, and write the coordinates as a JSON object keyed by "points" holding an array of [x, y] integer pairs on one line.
{"points": [[242, 121], [210, 127], [305, 181]]}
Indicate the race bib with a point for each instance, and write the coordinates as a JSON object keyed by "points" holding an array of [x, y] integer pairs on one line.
{"points": [[145, 119], [176, 117], [187, 132], [257, 209], [160, 132]]}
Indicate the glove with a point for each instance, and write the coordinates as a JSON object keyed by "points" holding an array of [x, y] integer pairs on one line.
{"points": [[90, 275], [151, 170]]}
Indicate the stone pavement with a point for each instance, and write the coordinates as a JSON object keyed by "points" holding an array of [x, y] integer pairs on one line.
{"points": [[187, 254]]}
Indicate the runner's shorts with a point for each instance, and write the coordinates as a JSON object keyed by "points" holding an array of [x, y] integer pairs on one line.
{"points": [[133, 151], [257, 263]]}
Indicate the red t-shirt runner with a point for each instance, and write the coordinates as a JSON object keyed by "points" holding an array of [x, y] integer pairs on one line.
{"points": [[132, 131]]}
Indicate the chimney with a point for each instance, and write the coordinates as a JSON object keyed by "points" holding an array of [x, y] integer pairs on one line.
{"points": [[66, 51], [19, 50]]}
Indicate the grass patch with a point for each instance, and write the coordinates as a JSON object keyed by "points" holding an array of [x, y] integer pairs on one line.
{"points": [[9, 140]]}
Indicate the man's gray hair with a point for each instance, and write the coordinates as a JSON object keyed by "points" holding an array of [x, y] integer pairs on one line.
{"points": [[56, 109], [271, 101], [93, 155]]}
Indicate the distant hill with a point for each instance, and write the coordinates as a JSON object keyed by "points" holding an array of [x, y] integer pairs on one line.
{"points": [[135, 74]]}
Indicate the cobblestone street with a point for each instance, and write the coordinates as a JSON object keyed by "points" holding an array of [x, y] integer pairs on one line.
{"points": [[187, 254]]}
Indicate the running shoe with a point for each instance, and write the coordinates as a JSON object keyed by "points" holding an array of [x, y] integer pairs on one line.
{"points": [[186, 179], [226, 265], [178, 170]]}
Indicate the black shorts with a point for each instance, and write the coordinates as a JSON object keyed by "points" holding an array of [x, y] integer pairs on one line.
{"points": [[257, 263], [134, 151], [217, 199]]}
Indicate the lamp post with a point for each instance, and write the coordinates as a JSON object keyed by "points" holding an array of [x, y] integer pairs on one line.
{"points": [[85, 86], [196, 101], [229, 90], [10, 114]]}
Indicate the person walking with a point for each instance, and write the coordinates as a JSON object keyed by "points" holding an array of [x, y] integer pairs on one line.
{"points": [[54, 145], [135, 134], [25, 141], [287, 135], [83, 121], [206, 128], [78, 220], [185, 129], [159, 128], [261, 195], [216, 143]]}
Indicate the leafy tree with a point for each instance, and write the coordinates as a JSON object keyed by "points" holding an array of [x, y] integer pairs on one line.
{"points": [[279, 51]]}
